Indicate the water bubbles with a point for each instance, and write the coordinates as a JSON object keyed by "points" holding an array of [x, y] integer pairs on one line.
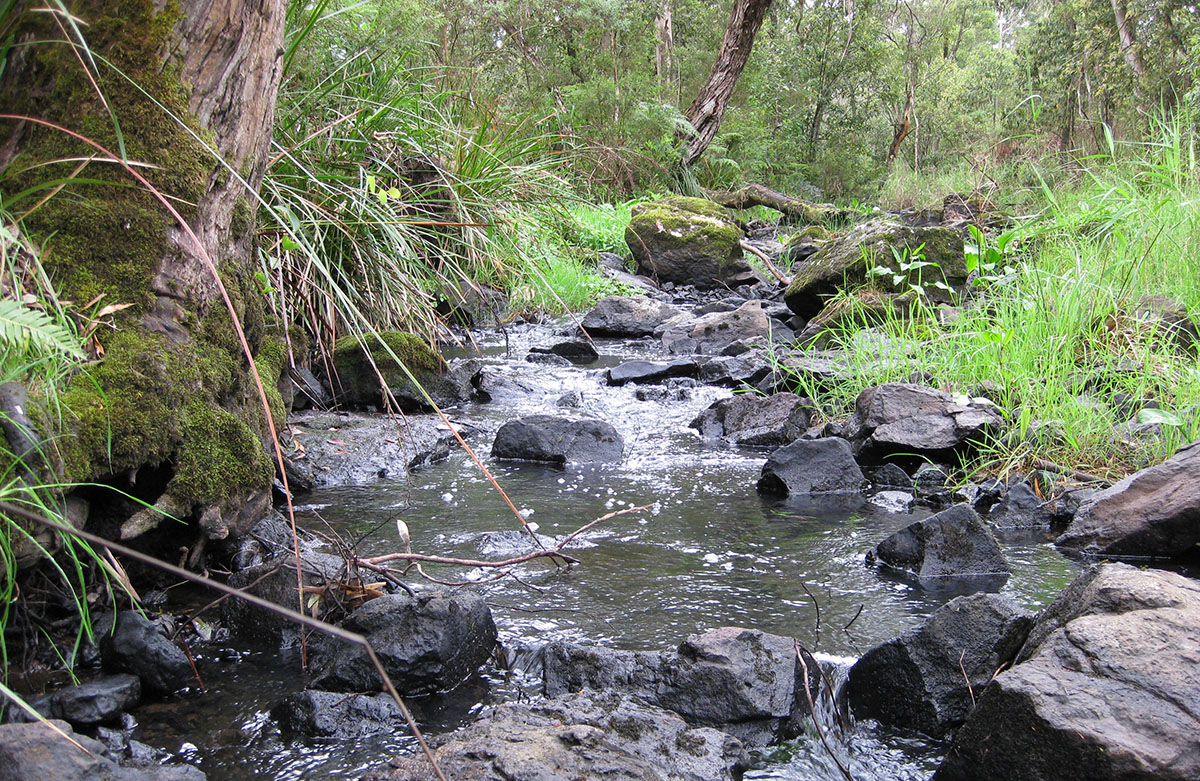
{"points": [[448, 497], [711, 558]]}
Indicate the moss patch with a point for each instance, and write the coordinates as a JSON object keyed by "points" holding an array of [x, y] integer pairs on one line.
{"points": [[360, 385], [218, 451]]}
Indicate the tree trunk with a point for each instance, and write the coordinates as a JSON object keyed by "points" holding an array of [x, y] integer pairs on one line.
{"points": [[1129, 48], [169, 413], [708, 108], [796, 209], [902, 127], [664, 46]]}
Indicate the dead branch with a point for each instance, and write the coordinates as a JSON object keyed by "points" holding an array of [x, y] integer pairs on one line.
{"points": [[812, 712]]}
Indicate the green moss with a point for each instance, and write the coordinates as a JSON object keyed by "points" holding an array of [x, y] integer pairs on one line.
{"points": [[271, 362], [357, 377], [219, 451], [693, 219], [242, 219]]}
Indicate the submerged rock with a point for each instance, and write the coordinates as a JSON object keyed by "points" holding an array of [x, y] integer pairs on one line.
{"points": [[760, 421], [427, 644], [586, 735], [1154, 512], [688, 241], [812, 466], [1106, 687], [742, 681], [559, 441], [927, 678], [944, 548]]}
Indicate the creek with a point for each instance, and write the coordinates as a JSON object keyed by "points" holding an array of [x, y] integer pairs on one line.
{"points": [[708, 551]]}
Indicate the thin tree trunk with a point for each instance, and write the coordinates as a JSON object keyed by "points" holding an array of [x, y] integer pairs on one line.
{"points": [[1129, 49], [664, 45], [708, 108]]}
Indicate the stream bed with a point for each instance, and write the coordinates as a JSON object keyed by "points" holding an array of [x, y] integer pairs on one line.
{"points": [[707, 551]]}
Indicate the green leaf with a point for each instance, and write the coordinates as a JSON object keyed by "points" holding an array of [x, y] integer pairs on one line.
{"points": [[1159, 416], [22, 327]]}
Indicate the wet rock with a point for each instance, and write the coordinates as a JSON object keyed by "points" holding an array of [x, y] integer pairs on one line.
{"points": [[812, 466], [926, 678], [687, 241], [135, 645], [711, 333], [759, 421], [1154, 512], [36, 751], [94, 702], [308, 391], [892, 501], [558, 441], [650, 371], [1019, 508], [626, 317], [275, 581], [905, 421], [748, 368], [547, 359], [322, 714], [944, 548], [573, 351], [355, 448], [356, 381], [427, 644], [891, 476], [1106, 687], [587, 735], [741, 681], [845, 262]]}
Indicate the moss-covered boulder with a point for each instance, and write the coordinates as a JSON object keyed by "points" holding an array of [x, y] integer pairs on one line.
{"points": [[358, 373], [927, 256], [688, 241]]}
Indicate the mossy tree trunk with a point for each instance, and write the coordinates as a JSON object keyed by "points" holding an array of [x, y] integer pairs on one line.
{"points": [[169, 412]]}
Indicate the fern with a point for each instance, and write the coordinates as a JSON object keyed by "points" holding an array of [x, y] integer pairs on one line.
{"points": [[22, 328]]}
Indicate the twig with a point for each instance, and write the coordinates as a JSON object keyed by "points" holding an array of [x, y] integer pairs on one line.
{"points": [[1075, 474], [300, 618], [192, 662], [812, 711], [966, 678], [856, 615], [816, 605]]}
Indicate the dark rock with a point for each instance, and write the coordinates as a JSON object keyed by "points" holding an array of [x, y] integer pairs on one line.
{"points": [[741, 681], [813, 466], [558, 441], [573, 351], [94, 702], [649, 371], [712, 333], [586, 735], [900, 420], [547, 359], [322, 714], [36, 751], [1154, 512], [891, 476], [660, 393], [930, 478], [745, 369], [926, 678], [357, 386], [845, 262], [356, 448], [275, 581], [626, 317], [949, 545], [759, 421], [860, 310], [1019, 508], [1106, 687], [427, 644], [137, 646], [687, 241], [308, 391]]}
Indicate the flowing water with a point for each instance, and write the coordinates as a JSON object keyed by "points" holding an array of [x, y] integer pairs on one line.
{"points": [[707, 551]]}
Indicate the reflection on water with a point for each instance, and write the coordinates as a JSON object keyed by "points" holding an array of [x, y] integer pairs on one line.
{"points": [[707, 552]]}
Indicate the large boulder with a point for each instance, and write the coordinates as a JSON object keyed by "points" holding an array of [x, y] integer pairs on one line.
{"points": [[558, 441], [37, 751], [1106, 687], [428, 643], [358, 371], [927, 678], [134, 644], [713, 332], [812, 466], [626, 316], [650, 371], [586, 735], [321, 714], [1154, 512], [912, 422], [847, 262], [97, 701], [687, 241], [944, 549], [742, 681], [757, 421]]}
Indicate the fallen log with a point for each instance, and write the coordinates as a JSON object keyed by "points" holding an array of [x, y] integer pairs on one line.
{"points": [[796, 209]]}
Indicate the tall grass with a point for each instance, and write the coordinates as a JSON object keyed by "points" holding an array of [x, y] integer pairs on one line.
{"points": [[1062, 343]]}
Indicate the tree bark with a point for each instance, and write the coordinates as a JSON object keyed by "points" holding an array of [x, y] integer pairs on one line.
{"points": [[169, 413], [759, 195], [1129, 49], [708, 108]]}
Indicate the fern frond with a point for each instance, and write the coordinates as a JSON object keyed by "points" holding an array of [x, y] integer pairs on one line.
{"points": [[23, 328]]}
